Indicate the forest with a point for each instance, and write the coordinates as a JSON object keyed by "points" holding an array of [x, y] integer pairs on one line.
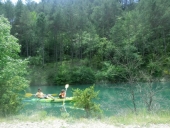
{"points": [[92, 41]]}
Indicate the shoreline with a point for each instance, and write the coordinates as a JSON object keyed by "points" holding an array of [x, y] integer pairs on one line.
{"points": [[81, 123]]}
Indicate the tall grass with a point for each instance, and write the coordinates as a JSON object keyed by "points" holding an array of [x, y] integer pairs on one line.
{"points": [[142, 118]]}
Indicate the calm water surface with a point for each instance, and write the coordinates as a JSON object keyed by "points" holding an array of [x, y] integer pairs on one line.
{"points": [[114, 99]]}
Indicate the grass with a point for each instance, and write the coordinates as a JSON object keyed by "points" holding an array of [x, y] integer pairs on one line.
{"points": [[142, 118], [39, 116]]}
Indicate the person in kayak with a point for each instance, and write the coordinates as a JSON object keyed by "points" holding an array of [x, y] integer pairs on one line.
{"points": [[62, 94], [41, 95]]}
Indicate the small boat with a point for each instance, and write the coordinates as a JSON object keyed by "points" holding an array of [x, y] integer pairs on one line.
{"points": [[55, 100]]}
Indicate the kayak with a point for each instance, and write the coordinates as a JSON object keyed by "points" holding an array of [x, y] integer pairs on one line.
{"points": [[55, 100]]}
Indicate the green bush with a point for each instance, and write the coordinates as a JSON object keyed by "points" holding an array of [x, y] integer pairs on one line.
{"points": [[63, 74], [111, 73], [85, 99], [82, 75], [75, 75]]}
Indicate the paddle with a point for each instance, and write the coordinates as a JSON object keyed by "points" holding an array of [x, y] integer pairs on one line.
{"points": [[66, 86], [30, 94]]}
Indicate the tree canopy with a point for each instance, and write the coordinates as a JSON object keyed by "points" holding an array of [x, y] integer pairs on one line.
{"points": [[13, 71], [108, 36]]}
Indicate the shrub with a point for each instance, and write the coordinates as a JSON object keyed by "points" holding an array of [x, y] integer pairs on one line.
{"points": [[63, 74], [85, 99], [82, 75], [75, 75], [111, 73]]}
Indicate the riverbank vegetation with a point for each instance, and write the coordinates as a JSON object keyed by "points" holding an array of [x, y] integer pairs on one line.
{"points": [[142, 119]]}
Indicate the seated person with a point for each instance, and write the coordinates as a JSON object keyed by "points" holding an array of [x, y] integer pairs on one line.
{"points": [[41, 95], [62, 94]]}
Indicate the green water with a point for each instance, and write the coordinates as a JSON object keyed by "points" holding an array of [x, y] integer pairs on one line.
{"points": [[114, 99]]}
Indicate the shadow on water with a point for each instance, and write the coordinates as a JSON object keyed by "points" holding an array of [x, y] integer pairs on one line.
{"points": [[113, 99]]}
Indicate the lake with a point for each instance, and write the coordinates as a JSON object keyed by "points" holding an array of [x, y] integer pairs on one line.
{"points": [[115, 99]]}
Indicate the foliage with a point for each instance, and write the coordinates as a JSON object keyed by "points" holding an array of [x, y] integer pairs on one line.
{"points": [[62, 74], [74, 75], [13, 71], [82, 75], [111, 73], [154, 66], [85, 99], [114, 31]]}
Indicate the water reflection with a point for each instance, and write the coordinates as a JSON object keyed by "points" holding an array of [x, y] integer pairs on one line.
{"points": [[52, 109]]}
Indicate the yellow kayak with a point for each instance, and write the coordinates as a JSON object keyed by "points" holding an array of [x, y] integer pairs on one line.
{"points": [[55, 100]]}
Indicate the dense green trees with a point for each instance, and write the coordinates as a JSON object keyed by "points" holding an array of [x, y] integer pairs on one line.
{"points": [[108, 36], [13, 71]]}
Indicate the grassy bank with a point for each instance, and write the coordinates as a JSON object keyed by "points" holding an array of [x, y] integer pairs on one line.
{"points": [[142, 118]]}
